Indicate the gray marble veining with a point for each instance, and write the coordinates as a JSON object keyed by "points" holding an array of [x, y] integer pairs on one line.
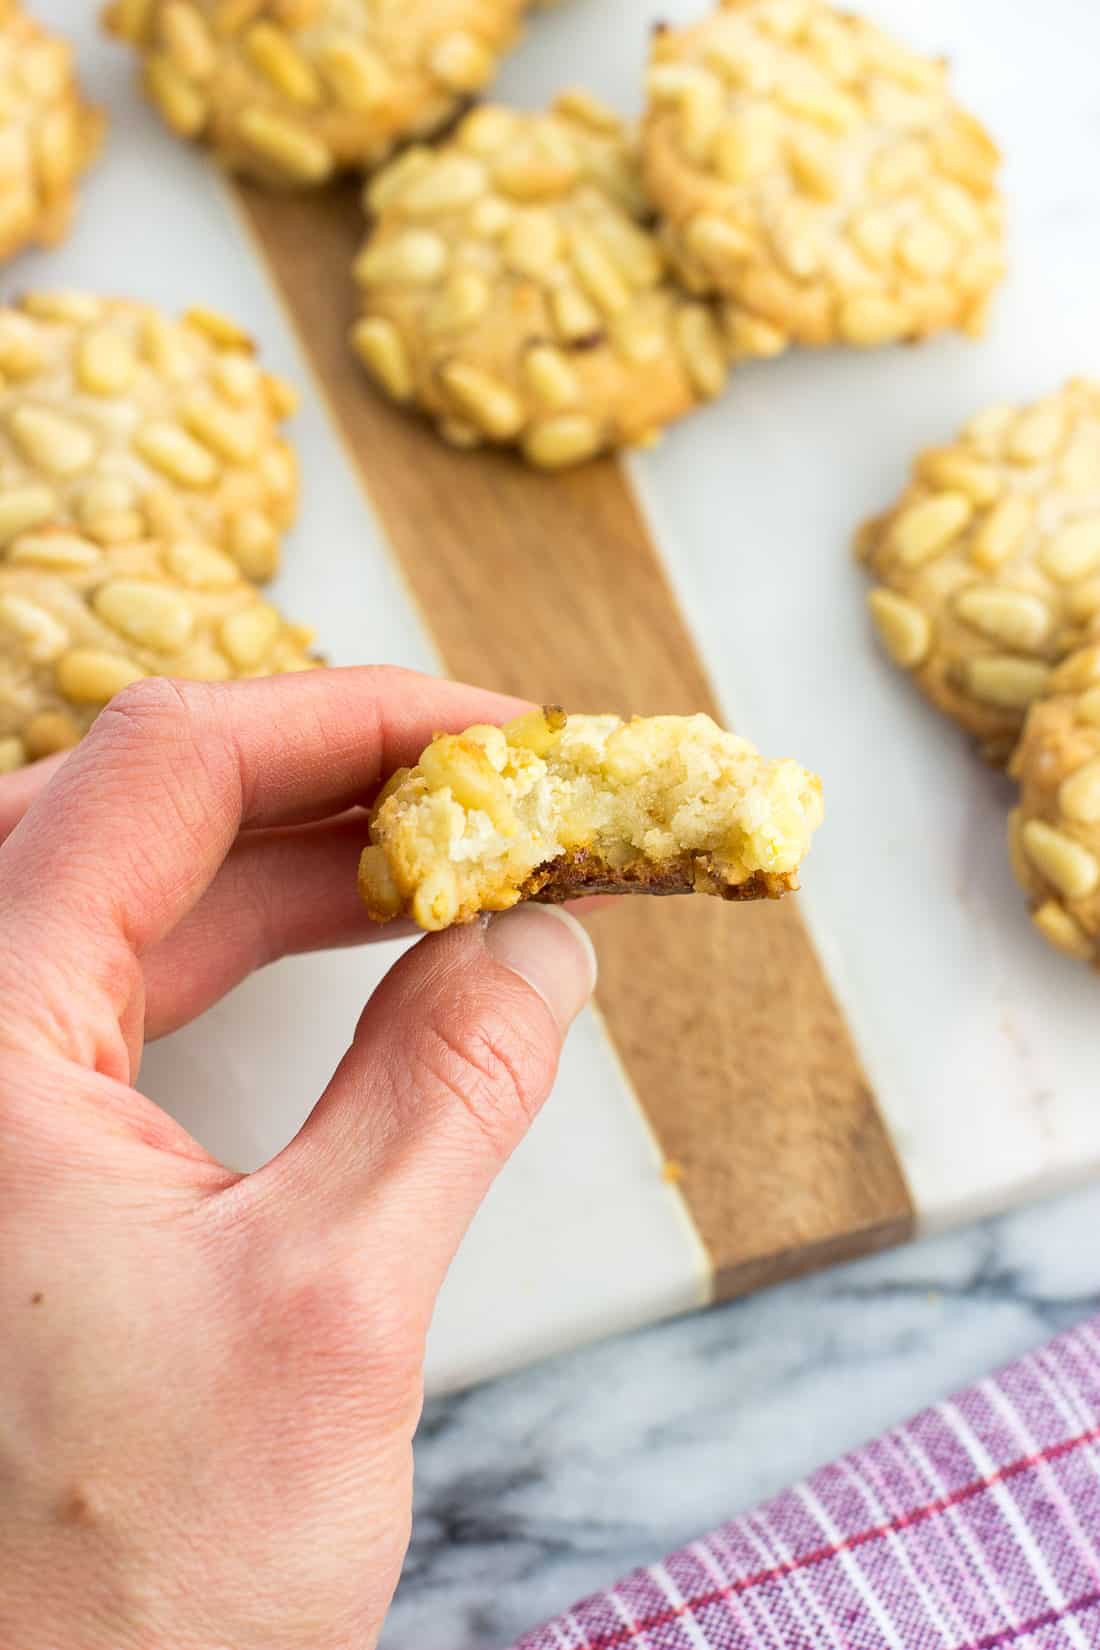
{"points": [[534, 1490]]}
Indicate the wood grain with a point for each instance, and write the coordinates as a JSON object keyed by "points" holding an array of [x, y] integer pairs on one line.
{"points": [[550, 587]]}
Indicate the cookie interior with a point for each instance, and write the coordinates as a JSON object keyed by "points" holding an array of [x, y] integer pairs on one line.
{"points": [[553, 806]]}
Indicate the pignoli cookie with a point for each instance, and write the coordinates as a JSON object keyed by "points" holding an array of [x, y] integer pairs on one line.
{"points": [[48, 134], [1054, 834], [292, 91], [121, 421], [553, 806], [79, 621], [512, 290], [988, 567], [820, 177]]}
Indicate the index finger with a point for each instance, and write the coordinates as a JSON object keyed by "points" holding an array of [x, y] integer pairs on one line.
{"points": [[134, 825]]}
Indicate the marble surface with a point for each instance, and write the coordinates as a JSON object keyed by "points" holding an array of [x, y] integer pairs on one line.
{"points": [[537, 1489], [978, 1041]]}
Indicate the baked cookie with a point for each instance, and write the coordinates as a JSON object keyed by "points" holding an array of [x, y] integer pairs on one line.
{"points": [[555, 806], [1055, 831], [48, 134], [512, 289], [291, 91], [123, 422], [988, 567], [820, 177], [79, 621]]}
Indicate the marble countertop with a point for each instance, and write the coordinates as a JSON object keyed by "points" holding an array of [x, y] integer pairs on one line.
{"points": [[534, 1490]]}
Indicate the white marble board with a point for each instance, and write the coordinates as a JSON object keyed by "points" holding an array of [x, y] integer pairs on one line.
{"points": [[980, 1043]]}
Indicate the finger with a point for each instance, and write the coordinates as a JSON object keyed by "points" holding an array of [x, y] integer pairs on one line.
{"points": [[130, 832], [279, 892], [19, 789], [452, 1059]]}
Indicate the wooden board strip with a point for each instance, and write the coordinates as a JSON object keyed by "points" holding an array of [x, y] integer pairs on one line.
{"points": [[549, 587]]}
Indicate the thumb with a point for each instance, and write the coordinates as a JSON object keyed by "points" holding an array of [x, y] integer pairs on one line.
{"points": [[451, 1062]]}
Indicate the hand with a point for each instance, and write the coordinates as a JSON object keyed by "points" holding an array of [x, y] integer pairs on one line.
{"points": [[209, 1382]]}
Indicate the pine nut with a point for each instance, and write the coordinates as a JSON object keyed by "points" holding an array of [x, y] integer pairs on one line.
{"points": [[418, 257], [532, 242], [1011, 684], [79, 308], [54, 552], [701, 348], [88, 676], [231, 436], [870, 319], [43, 637], [52, 443], [357, 75], [814, 166], [182, 104], [744, 147], [379, 346], [129, 19], [1071, 868], [554, 443], [586, 110], [926, 529], [926, 249], [1079, 794], [188, 41], [50, 732], [105, 362], [461, 62], [462, 302], [221, 329], [1074, 551], [435, 901], [377, 887], [147, 614], [462, 766], [453, 182], [1036, 434], [574, 317], [1022, 868], [246, 636], [597, 274], [200, 567], [1011, 617], [254, 544], [999, 535], [483, 399], [22, 508], [1057, 927], [169, 449], [751, 338], [292, 149], [947, 470], [551, 377], [905, 628], [238, 378], [715, 242], [273, 54]]}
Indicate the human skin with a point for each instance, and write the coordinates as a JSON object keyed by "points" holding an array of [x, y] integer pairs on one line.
{"points": [[209, 1382]]}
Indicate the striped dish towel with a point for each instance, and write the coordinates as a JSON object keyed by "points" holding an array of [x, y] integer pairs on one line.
{"points": [[974, 1527]]}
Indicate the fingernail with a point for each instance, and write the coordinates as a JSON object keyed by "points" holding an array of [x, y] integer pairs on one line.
{"points": [[549, 949]]}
